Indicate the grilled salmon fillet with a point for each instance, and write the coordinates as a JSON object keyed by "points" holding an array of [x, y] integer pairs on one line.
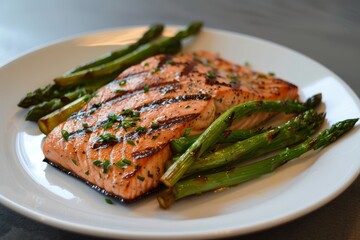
{"points": [[119, 142]]}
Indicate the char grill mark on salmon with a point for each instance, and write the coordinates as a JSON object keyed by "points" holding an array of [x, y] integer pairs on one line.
{"points": [[119, 141]]}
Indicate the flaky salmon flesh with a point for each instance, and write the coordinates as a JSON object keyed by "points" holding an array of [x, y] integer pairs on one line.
{"points": [[119, 142]]}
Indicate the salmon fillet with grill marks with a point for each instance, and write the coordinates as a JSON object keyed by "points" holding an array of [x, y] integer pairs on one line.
{"points": [[119, 141]]}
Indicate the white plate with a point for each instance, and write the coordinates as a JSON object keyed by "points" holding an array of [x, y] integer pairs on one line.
{"points": [[41, 192]]}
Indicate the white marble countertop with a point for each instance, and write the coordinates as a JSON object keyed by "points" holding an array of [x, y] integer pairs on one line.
{"points": [[327, 31]]}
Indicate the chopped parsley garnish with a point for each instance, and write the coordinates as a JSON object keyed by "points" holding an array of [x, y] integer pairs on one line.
{"points": [[131, 142], [127, 112], [97, 163], [123, 163], [85, 125], [146, 64], [65, 134], [122, 82], [154, 137], [271, 74], [261, 76], [126, 123], [74, 161], [156, 69], [155, 125], [106, 165], [87, 173], [107, 138], [108, 201], [91, 111], [233, 78], [108, 125], [171, 62], [211, 74], [113, 117], [141, 129], [187, 132], [146, 88], [120, 91], [187, 106], [136, 118], [140, 178]]}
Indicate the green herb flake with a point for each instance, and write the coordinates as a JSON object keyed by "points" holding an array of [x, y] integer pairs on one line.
{"points": [[127, 112], [120, 91], [136, 118], [187, 132], [146, 64], [156, 69], [140, 178], [98, 163], [108, 201], [234, 79], [154, 137], [123, 163], [130, 142], [85, 125], [146, 88], [106, 165], [271, 74], [261, 76], [74, 161], [247, 64], [91, 111], [171, 62], [187, 106], [141, 129], [108, 125], [113, 117], [107, 137], [122, 82], [155, 125], [87, 173], [65, 134], [211, 75], [126, 123]]}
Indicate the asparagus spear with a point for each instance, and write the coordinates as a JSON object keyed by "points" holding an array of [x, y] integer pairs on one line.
{"points": [[293, 131], [152, 33], [47, 107], [52, 91], [179, 145], [209, 137], [248, 172], [50, 121], [147, 50]]}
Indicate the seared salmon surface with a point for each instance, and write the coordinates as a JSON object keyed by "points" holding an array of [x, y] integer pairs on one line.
{"points": [[119, 141]]}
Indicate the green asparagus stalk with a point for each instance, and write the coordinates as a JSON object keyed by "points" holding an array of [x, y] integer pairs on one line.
{"points": [[209, 137], [293, 131], [181, 144], [46, 107], [152, 33], [248, 172], [52, 91], [39, 95], [118, 65], [49, 122]]}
